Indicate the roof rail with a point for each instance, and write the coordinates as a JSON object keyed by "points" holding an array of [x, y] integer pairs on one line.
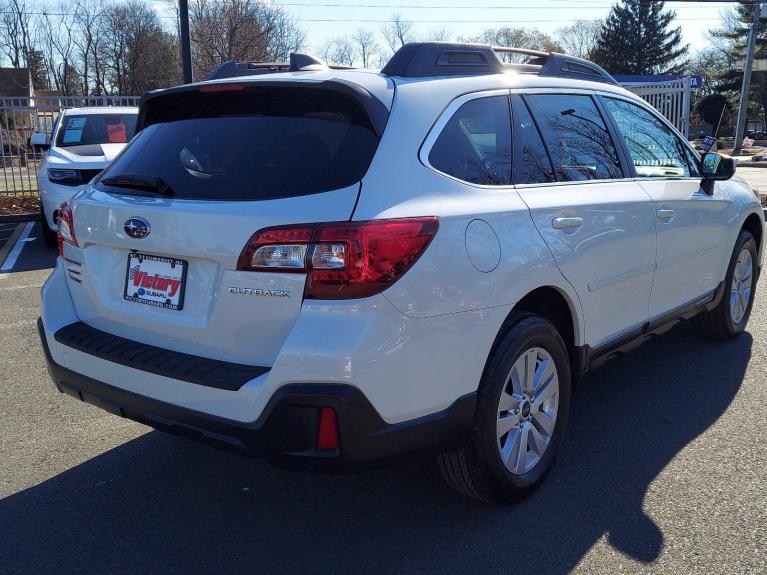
{"points": [[298, 63], [425, 59]]}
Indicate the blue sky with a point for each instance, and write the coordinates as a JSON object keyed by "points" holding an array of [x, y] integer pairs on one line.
{"points": [[324, 19]]}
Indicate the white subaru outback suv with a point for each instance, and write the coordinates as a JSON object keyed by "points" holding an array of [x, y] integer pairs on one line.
{"points": [[82, 143], [336, 268]]}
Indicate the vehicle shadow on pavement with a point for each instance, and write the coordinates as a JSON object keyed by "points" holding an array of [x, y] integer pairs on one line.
{"points": [[161, 504]]}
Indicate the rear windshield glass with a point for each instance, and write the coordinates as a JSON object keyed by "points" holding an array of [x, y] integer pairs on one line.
{"points": [[252, 144], [96, 129]]}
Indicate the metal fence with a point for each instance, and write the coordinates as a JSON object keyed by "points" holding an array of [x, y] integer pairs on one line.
{"points": [[19, 119], [672, 99]]}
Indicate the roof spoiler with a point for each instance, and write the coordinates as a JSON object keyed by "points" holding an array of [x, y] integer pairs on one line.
{"points": [[168, 98], [425, 59]]}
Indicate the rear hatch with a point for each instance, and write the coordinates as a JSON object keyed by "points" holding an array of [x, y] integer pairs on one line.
{"points": [[161, 230]]}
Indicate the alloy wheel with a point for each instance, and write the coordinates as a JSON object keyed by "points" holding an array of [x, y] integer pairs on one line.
{"points": [[740, 290], [527, 411]]}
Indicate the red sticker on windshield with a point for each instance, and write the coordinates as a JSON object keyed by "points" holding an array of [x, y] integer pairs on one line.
{"points": [[117, 133]]}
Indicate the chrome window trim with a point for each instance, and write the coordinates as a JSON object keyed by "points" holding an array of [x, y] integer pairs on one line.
{"points": [[457, 102]]}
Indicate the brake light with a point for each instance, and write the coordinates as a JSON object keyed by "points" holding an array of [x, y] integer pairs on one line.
{"points": [[342, 260], [66, 224], [221, 87]]}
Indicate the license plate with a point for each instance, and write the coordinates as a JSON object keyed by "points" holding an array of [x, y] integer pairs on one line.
{"points": [[155, 280]]}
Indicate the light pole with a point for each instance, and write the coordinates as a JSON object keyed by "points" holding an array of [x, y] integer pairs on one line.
{"points": [[740, 127], [186, 47]]}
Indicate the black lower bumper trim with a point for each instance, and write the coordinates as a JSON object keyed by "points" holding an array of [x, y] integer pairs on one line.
{"points": [[285, 433], [173, 364]]}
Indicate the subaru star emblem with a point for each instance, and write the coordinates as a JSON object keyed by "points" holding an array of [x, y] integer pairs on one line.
{"points": [[137, 228]]}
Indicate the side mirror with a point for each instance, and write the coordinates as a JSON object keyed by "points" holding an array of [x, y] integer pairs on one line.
{"points": [[717, 166], [40, 140]]}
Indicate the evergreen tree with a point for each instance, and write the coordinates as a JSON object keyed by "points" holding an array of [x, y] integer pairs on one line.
{"points": [[734, 33], [38, 70], [637, 38]]}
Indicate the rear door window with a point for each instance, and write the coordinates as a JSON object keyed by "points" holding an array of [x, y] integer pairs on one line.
{"points": [[532, 164], [254, 144], [475, 144], [576, 137]]}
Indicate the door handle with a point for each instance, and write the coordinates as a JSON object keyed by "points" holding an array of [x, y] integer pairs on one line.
{"points": [[566, 223], [665, 214]]}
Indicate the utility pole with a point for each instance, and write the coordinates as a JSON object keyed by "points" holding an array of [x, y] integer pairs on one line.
{"points": [[740, 127], [186, 47]]}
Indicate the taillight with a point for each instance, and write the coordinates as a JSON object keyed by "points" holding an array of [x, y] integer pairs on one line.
{"points": [[277, 249], [66, 224], [342, 260]]}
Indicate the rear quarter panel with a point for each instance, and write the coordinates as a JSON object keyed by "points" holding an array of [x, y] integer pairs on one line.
{"points": [[444, 280]]}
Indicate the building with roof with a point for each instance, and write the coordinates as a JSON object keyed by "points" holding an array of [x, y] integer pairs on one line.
{"points": [[16, 83]]}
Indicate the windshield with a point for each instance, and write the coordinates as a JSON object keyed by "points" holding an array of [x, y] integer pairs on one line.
{"points": [[255, 144], [93, 129]]}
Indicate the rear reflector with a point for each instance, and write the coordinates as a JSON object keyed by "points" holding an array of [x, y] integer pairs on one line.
{"points": [[342, 260], [327, 435]]}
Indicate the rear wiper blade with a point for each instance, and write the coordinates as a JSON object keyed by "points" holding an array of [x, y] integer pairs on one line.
{"points": [[153, 184]]}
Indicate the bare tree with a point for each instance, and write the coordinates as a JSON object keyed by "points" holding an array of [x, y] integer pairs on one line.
{"points": [[580, 38], [245, 30], [438, 35], [120, 46], [88, 38], [517, 38], [137, 54], [15, 30], [398, 32], [55, 39], [366, 45], [286, 37], [339, 51]]}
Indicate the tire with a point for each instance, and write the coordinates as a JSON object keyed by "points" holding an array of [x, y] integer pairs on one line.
{"points": [[49, 236], [488, 467], [727, 321]]}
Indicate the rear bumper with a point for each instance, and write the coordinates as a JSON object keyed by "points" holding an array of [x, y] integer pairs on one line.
{"points": [[286, 432]]}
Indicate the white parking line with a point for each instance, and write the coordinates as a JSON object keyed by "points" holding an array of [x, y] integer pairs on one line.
{"points": [[10, 261]]}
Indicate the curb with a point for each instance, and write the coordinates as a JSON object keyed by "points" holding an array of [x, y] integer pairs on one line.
{"points": [[751, 165], [28, 217]]}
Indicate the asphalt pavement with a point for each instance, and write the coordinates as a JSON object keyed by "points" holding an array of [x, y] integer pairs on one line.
{"points": [[663, 471], [8, 233]]}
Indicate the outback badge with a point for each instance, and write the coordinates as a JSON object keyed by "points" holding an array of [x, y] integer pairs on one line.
{"points": [[259, 292]]}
